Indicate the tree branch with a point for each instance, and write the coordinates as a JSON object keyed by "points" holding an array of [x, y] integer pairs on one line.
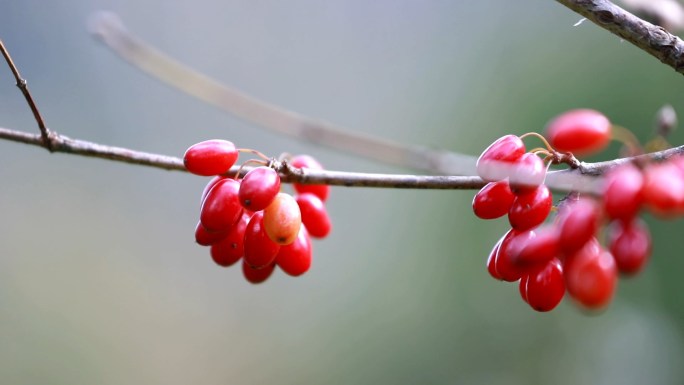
{"points": [[653, 39]]}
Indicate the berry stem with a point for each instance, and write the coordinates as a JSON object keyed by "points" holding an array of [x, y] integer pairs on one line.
{"points": [[626, 137], [540, 137], [254, 152]]}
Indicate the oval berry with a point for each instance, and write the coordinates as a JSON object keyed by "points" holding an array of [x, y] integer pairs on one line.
{"points": [[578, 222], [260, 250], [623, 192], [494, 200], [211, 185], [533, 248], [207, 238], [295, 258], [282, 219], [495, 162], [663, 189], [503, 264], [230, 249], [221, 208], [314, 215], [528, 172], [630, 244], [545, 287], [211, 157], [256, 276], [491, 260], [258, 188], [530, 208], [581, 131], [591, 275], [306, 161]]}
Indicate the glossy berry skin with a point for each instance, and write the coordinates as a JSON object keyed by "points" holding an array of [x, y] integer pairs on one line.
{"points": [[504, 265], [663, 190], [211, 157], [578, 223], [623, 192], [305, 161], [314, 215], [496, 161], [581, 131], [491, 260], [260, 250], [282, 219], [527, 173], [530, 208], [544, 288], [630, 244], [221, 208], [494, 200], [295, 258], [258, 188], [230, 249], [591, 276], [206, 238], [256, 276], [534, 248]]}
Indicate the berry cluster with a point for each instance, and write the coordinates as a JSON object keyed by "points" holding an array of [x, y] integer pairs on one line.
{"points": [[565, 254], [250, 218]]}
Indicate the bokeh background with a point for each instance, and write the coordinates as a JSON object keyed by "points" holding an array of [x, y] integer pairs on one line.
{"points": [[100, 279]]}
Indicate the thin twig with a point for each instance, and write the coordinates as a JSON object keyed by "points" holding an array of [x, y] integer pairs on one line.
{"points": [[46, 134], [109, 29], [653, 39]]}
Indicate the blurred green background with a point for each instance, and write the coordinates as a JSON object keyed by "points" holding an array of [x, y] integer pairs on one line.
{"points": [[100, 279]]}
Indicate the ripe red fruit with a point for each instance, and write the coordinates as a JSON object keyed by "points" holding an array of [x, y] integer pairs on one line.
{"points": [[496, 160], [260, 250], [581, 131], [221, 208], [210, 185], [211, 157], [663, 189], [306, 161], [530, 208], [622, 192], [295, 258], [256, 276], [544, 288], [630, 244], [578, 222], [503, 264], [231, 248], [528, 172], [282, 219], [494, 200], [258, 188], [206, 238], [534, 248], [314, 215], [591, 275], [491, 260]]}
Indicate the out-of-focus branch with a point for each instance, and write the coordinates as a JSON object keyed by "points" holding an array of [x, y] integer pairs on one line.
{"points": [[109, 29], [653, 39]]}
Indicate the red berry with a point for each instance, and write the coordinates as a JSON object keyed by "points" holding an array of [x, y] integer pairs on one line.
{"points": [[544, 288], [582, 132], [534, 248], [221, 208], [206, 238], [258, 188], [211, 157], [306, 161], [494, 200], [256, 276], [522, 287], [528, 172], [503, 264], [630, 244], [664, 189], [491, 260], [230, 249], [282, 219], [591, 275], [260, 250], [530, 208], [496, 161], [210, 185], [623, 192], [295, 258], [578, 222], [314, 215]]}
